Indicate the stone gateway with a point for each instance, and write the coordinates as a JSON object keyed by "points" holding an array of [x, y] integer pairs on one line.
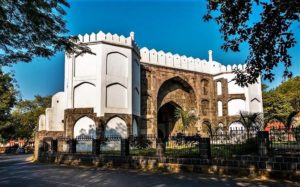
{"points": [[122, 90]]}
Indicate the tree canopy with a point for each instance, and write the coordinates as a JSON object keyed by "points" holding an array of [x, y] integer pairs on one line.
{"points": [[281, 102], [25, 116], [31, 29], [23, 119], [8, 98], [265, 25]]}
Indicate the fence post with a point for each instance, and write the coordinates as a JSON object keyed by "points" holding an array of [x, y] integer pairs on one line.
{"points": [[204, 148], [124, 147], [72, 146], [96, 146], [160, 148], [263, 142]]}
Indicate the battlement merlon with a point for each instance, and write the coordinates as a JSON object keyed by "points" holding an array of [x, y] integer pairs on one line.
{"points": [[162, 58], [111, 39], [183, 62]]}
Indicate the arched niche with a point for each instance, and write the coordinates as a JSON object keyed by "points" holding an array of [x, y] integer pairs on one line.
{"points": [[84, 128], [204, 87], [205, 107], [85, 65], [117, 65], [116, 96], [85, 95], [116, 127], [255, 105]]}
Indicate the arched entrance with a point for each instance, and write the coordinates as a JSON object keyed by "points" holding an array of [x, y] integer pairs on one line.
{"points": [[116, 127], [166, 120], [173, 93], [84, 128]]}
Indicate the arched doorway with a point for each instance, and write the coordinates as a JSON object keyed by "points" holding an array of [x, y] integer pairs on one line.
{"points": [[84, 128], [173, 93], [166, 120], [116, 127]]}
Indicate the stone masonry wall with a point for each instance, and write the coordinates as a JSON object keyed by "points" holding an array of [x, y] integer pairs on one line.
{"points": [[153, 97]]}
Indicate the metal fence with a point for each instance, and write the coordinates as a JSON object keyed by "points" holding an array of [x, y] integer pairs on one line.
{"points": [[143, 145], [183, 146], [226, 144], [223, 144], [285, 141], [173, 146]]}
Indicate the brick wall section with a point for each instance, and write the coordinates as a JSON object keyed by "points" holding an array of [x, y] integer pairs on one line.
{"points": [[40, 135]]}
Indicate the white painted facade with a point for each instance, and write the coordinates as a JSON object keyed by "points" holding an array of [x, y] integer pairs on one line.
{"points": [[109, 81]]}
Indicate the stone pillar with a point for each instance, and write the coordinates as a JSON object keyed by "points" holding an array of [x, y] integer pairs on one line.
{"points": [[38, 146], [204, 148], [96, 146], [72, 145], [160, 148], [263, 142], [124, 147]]}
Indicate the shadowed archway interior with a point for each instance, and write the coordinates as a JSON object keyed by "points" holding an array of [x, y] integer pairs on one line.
{"points": [[166, 120]]}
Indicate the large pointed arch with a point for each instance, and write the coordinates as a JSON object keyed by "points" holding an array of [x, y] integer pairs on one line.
{"points": [[116, 126], [172, 87], [84, 128]]}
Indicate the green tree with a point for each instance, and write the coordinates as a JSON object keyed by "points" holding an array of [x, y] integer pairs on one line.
{"points": [[282, 101], [211, 129], [265, 25], [187, 117], [31, 29], [251, 121], [276, 106], [290, 89], [26, 114], [8, 98]]}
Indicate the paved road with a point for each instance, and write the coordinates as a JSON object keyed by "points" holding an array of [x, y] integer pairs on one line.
{"points": [[16, 171]]}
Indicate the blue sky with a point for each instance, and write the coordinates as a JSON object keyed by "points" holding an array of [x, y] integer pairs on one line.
{"points": [[174, 26]]}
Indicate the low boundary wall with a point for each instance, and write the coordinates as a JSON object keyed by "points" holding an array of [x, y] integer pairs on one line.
{"points": [[253, 166]]}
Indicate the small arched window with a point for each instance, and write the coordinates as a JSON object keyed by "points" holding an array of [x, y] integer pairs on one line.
{"points": [[204, 107], [219, 88], [204, 87]]}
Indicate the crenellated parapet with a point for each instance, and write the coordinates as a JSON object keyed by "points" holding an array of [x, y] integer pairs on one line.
{"points": [[110, 38], [162, 58], [168, 59]]}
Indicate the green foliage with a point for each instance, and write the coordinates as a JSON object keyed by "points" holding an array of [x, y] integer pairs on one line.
{"points": [[268, 33], [291, 90], [31, 29], [8, 98], [210, 128], [26, 114], [187, 117], [283, 103], [251, 121]]}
